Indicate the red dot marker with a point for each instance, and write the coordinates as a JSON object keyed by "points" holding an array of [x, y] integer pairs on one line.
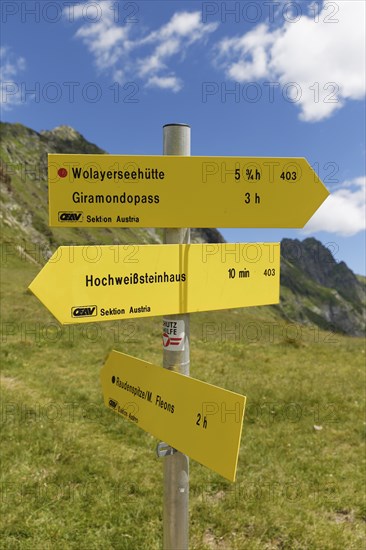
{"points": [[62, 172]]}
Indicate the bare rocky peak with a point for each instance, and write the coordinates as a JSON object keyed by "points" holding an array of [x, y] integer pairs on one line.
{"points": [[62, 132]]}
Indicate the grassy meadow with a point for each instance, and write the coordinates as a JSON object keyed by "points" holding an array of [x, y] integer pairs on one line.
{"points": [[76, 476]]}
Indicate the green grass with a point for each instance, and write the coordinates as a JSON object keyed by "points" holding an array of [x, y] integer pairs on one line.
{"points": [[76, 476]]}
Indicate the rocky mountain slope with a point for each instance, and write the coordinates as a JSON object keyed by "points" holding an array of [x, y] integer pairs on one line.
{"points": [[314, 287], [317, 289]]}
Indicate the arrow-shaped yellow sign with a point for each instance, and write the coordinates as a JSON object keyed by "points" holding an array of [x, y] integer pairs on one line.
{"points": [[196, 418], [104, 283], [177, 191]]}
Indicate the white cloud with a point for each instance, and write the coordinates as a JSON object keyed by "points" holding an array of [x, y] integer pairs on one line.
{"points": [[187, 25], [343, 212], [252, 51], [119, 49], [156, 61], [326, 59], [174, 38], [10, 66], [107, 41], [165, 82]]}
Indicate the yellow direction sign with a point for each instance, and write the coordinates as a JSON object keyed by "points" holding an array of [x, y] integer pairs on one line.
{"points": [[196, 418], [173, 191], [105, 283]]}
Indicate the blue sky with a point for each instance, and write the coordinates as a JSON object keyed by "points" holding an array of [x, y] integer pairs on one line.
{"points": [[252, 78]]}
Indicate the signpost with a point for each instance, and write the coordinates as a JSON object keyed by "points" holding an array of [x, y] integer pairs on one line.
{"points": [[176, 141], [84, 284], [173, 191], [206, 425], [103, 283]]}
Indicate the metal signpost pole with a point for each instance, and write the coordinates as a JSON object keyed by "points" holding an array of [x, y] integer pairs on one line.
{"points": [[176, 141]]}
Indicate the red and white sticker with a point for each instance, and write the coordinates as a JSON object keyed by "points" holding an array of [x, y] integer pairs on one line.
{"points": [[173, 335]]}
